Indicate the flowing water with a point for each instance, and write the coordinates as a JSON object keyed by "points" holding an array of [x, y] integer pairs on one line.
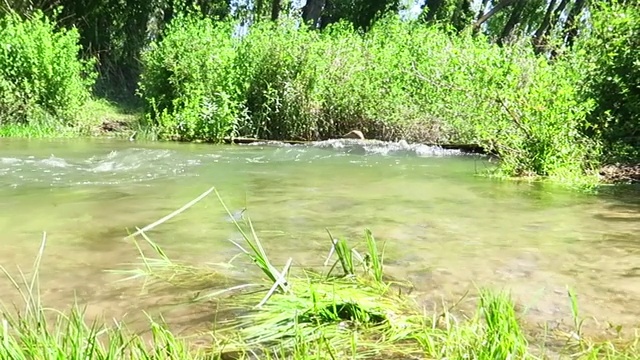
{"points": [[446, 230]]}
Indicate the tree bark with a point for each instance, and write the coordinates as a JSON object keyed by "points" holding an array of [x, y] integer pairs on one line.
{"points": [[543, 35], [259, 8], [483, 6], [514, 19], [312, 11], [494, 10], [275, 9], [538, 45], [570, 26], [432, 8], [556, 16], [480, 15]]}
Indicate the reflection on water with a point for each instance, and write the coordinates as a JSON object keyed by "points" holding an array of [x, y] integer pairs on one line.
{"points": [[445, 229]]}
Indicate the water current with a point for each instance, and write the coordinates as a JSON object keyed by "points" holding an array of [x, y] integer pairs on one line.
{"points": [[446, 229]]}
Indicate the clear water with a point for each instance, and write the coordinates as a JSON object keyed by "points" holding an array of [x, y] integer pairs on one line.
{"points": [[445, 229]]}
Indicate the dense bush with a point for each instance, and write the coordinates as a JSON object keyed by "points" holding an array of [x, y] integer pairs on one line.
{"points": [[189, 82], [506, 99], [41, 76], [611, 50], [279, 65], [400, 79]]}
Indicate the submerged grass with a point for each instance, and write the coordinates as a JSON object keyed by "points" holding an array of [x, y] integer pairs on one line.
{"points": [[311, 314], [30, 333]]}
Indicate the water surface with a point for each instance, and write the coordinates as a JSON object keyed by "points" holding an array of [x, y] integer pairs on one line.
{"points": [[446, 229]]}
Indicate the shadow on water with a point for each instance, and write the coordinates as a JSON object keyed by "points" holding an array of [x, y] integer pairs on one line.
{"points": [[445, 229]]}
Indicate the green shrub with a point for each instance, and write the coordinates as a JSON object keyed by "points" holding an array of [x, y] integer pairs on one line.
{"points": [[189, 83], [506, 99], [611, 53], [368, 86], [41, 76], [399, 80], [280, 65]]}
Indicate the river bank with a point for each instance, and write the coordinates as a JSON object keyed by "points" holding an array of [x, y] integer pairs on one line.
{"points": [[621, 173], [110, 120], [127, 125], [546, 119]]}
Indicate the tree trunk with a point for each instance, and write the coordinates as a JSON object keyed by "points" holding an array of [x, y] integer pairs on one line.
{"points": [[480, 15], [494, 10], [259, 8], [483, 6], [514, 19], [275, 10], [543, 35], [556, 16], [570, 26], [538, 45], [312, 11], [432, 8]]}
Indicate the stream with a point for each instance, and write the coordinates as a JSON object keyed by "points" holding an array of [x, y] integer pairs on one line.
{"points": [[446, 229]]}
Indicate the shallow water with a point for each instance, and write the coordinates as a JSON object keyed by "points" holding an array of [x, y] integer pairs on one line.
{"points": [[445, 229]]}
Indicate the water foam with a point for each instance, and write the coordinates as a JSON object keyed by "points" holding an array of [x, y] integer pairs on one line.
{"points": [[118, 166], [386, 148]]}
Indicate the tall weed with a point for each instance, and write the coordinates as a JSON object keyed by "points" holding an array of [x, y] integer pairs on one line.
{"points": [[281, 64], [506, 99]]}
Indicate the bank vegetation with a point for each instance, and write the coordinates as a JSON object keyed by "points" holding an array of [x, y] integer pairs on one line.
{"points": [[551, 87]]}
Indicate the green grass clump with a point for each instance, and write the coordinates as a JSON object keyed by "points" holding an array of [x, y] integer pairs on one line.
{"points": [[350, 309], [494, 332], [37, 130], [93, 119], [37, 332]]}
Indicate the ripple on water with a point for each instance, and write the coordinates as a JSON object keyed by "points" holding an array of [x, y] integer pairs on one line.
{"points": [[443, 228], [377, 147], [118, 166]]}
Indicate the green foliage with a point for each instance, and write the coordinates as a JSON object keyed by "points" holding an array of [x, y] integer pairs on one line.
{"points": [[504, 98], [611, 52], [399, 80], [454, 13], [364, 70], [280, 65], [361, 14], [189, 81], [41, 77], [504, 337], [278, 82], [115, 31]]}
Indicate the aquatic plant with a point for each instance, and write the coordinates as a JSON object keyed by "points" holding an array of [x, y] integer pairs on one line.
{"points": [[37, 332], [361, 314]]}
